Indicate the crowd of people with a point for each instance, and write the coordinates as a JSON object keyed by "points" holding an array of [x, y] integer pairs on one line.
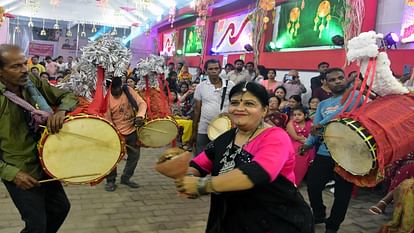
{"points": [[252, 171]]}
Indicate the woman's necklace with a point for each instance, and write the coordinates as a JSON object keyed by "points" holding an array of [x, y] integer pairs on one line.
{"points": [[250, 136]]}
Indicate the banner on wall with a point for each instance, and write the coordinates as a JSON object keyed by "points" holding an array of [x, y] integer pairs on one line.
{"points": [[313, 25], [41, 49], [407, 25], [192, 42], [168, 45], [232, 34], [67, 46]]}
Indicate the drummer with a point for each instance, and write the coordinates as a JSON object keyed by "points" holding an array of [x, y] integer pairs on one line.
{"points": [[322, 169], [42, 207], [126, 110], [211, 99]]}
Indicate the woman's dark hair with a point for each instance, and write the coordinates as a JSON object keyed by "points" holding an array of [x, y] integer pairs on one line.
{"points": [[257, 90], [302, 109], [274, 96], [312, 99], [133, 79], [175, 100], [297, 98], [281, 87], [262, 71]]}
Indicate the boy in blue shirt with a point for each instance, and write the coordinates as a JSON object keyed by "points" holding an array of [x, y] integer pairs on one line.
{"points": [[321, 171]]}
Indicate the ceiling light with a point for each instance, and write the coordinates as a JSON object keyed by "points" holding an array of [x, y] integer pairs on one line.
{"points": [[56, 25], [43, 31]]}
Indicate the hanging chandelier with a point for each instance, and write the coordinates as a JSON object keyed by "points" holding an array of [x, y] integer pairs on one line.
{"points": [[56, 25], [114, 32], [30, 24], [43, 31], [83, 33], [93, 30], [69, 32]]}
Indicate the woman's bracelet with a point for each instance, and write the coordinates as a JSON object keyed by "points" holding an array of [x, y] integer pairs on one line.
{"points": [[203, 185]]}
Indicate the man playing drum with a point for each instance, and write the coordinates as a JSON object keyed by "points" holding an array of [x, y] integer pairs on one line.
{"points": [[43, 207], [126, 111], [322, 169], [211, 99]]}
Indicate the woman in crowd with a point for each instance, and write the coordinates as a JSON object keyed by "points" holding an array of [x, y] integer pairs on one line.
{"points": [[252, 185], [274, 117], [186, 97], [271, 84], [313, 105], [175, 105], [299, 129], [294, 101], [403, 216], [131, 82], [399, 171], [281, 93]]}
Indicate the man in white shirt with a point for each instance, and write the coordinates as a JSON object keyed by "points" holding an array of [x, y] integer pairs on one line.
{"points": [[208, 98], [60, 64], [239, 74]]}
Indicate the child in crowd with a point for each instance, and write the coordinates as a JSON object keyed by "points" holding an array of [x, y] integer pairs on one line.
{"points": [[299, 128], [313, 105]]}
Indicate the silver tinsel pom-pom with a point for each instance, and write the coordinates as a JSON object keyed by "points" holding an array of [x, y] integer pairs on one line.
{"points": [[107, 52], [149, 68]]}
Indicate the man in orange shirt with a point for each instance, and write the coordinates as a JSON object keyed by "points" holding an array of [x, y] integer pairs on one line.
{"points": [[126, 114]]}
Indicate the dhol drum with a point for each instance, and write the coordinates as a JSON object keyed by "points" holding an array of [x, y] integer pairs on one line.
{"points": [[218, 126], [355, 150], [158, 132], [378, 134], [84, 151]]}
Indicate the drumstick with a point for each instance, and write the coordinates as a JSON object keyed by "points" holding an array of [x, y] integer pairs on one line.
{"points": [[329, 136], [156, 130], [68, 177]]}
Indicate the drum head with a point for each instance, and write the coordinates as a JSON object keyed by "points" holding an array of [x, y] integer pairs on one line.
{"points": [[218, 126], [158, 132], [348, 149], [83, 146]]}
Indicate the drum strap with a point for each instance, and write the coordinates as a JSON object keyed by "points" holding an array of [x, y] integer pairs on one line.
{"points": [[131, 99], [38, 116], [223, 95]]}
